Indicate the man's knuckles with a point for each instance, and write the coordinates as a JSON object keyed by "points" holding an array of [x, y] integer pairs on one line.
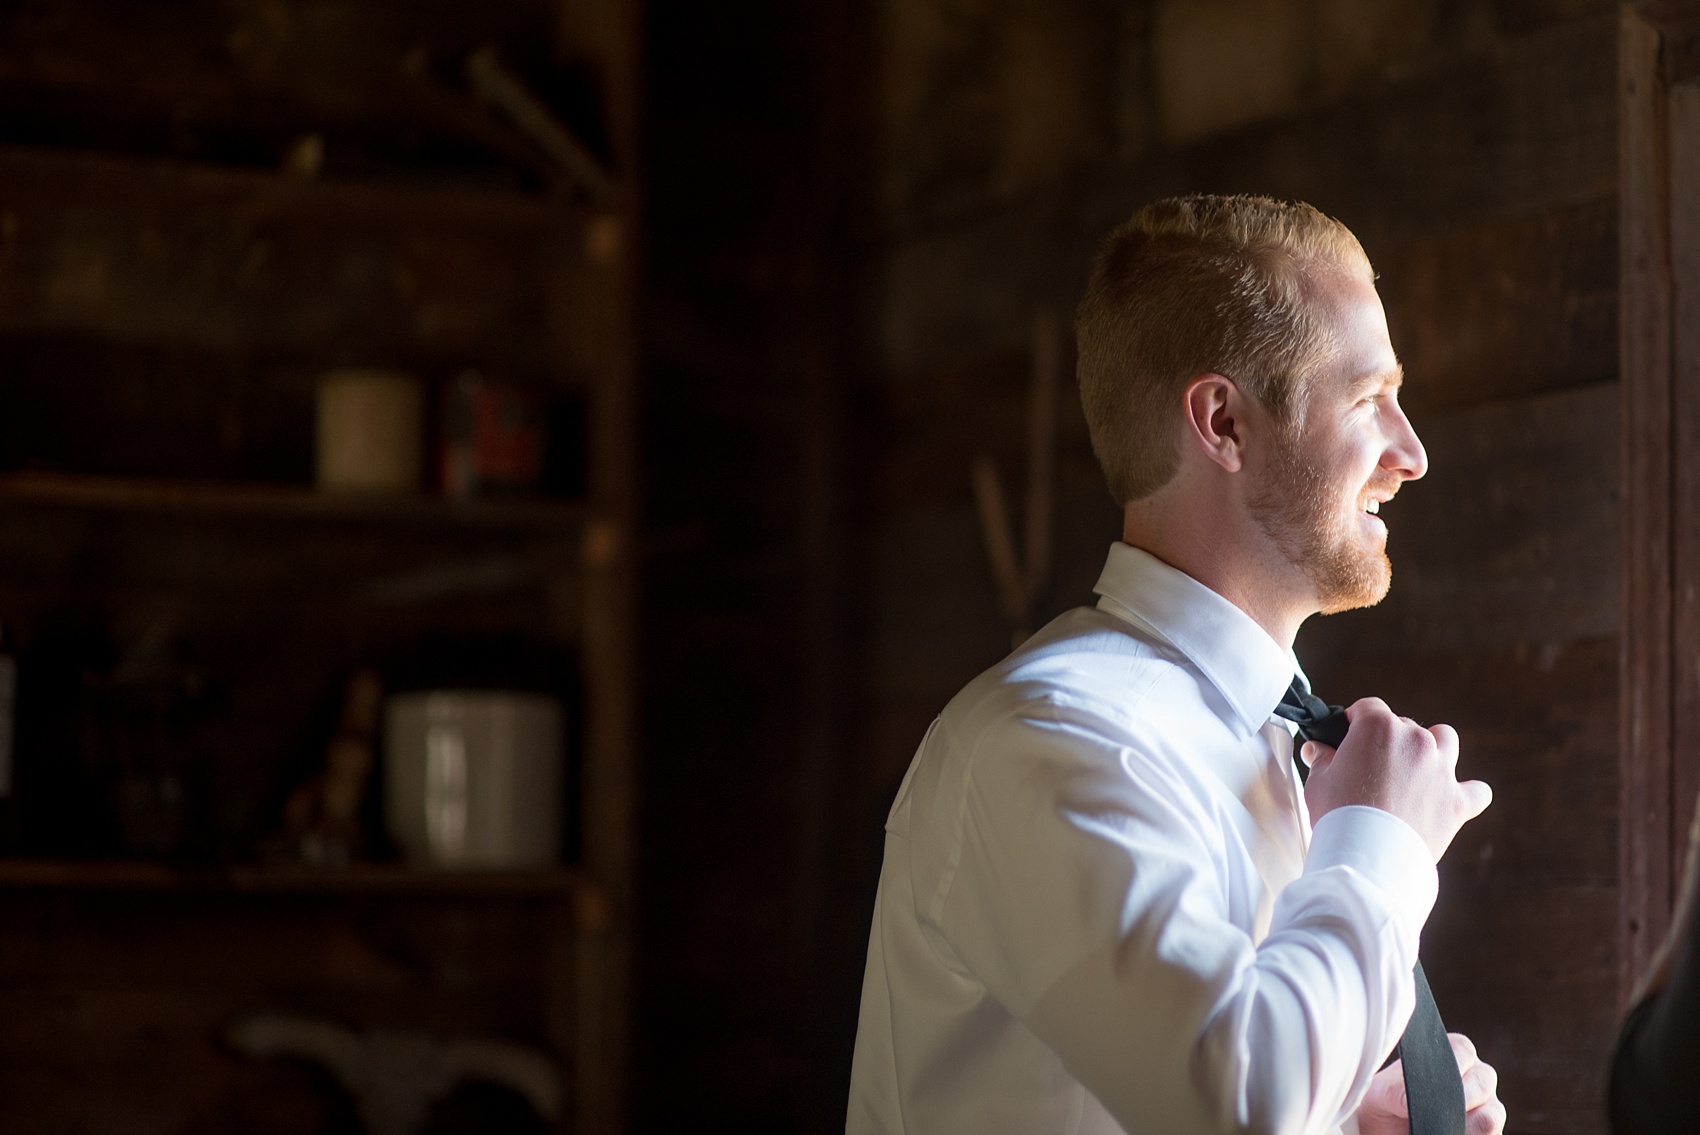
{"points": [[1375, 727], [1365, 707], [1489, 1119], [1480, 1084]]}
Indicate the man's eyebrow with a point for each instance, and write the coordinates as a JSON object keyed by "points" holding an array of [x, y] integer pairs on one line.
{"points": [[1394, 378]]}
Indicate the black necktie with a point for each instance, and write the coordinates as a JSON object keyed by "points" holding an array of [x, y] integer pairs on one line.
{"points": [[1433, 1089]]}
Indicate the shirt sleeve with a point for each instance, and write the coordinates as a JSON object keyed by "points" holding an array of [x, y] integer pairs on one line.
{"points": [[1090, 896]]}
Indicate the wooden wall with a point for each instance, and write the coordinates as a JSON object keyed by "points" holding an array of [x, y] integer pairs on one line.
{"points": [[1472, 146], [750, 946]]}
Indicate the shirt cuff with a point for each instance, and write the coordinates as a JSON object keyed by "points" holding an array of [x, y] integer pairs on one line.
{"points": [[1383, 849]]}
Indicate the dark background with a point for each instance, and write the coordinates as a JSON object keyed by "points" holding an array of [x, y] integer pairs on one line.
{"points": [[850, 217]]}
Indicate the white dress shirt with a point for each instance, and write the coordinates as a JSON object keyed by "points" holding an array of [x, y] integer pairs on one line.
{"points": [[1102, 907]]}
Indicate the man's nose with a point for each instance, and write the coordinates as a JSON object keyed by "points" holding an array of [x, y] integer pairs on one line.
{"points": [[1405, 454]]}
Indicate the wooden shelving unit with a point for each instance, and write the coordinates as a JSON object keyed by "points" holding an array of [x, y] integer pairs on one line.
{"points": [[162, 318]]}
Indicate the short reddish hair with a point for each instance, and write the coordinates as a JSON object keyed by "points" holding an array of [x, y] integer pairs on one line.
{"points": [[1199, 285]]}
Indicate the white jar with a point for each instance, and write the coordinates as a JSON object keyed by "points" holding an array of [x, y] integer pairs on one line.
{"points": [[370, 432], [473, 778]]}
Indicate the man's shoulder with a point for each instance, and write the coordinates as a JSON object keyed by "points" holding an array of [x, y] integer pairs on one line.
{"points": [[1086, 662]]}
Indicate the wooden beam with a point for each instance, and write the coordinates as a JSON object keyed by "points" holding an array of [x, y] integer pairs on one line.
{"points": [[1684, 197], [1645, 329], [1512, 306], [593, 335]]}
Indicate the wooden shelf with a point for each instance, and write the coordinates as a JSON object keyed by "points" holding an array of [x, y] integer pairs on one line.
{"points": [[268, 192], [215, 499], [257, 264], [357, 879]]}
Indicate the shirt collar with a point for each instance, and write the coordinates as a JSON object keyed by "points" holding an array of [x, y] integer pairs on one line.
{"points": [[1249, 668]]}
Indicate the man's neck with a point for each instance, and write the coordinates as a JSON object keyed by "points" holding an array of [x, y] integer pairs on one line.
{"points": [[1245, 569]]}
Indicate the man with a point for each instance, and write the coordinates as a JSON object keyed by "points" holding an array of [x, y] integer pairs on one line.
{"points": [[1109, 903]]}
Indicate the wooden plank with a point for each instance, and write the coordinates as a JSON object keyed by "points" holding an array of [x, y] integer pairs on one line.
{"points": [[1527, 126], [213, 499], [336, 55], [1504, 308], [1645, 746], [261, 556], [220, 259], [244, 81], [1684, 118], [354, 879], [369, 944], [1550, 1034]]}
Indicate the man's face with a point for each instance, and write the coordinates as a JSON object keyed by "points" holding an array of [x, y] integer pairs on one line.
{"points": [[1352, 448]]}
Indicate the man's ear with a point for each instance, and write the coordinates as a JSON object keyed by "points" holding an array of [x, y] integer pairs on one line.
{"points": [[1215, 419]]}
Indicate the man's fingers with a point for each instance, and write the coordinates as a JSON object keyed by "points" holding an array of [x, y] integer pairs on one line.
{"points": [[1489, 1119], [1387, 1092], [1476, 796], [1484, 1114], [1366, 705], [1447, 738], [1480, 1084]]}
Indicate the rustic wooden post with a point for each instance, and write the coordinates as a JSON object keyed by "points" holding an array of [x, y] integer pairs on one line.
{"points": [[1660, 329], [596, 333], [1645, 675]]}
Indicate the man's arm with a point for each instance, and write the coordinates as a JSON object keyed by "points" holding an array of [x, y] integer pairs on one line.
{"points": [[1091, 898], [1390, 762]]}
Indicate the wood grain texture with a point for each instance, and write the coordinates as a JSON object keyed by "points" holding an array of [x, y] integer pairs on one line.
{"points": [[149, 251], [234, 499], [379, 87], [1645, 745], [1684, 120], [119, 875], [1467, 141], [1506, 307]]}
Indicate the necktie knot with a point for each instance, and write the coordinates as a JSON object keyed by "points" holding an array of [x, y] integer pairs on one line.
{"points": [[1316, 719]]}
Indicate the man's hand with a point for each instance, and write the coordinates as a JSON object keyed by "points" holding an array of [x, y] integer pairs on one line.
{"points": [[1392, 763], [1383, 1111]]}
